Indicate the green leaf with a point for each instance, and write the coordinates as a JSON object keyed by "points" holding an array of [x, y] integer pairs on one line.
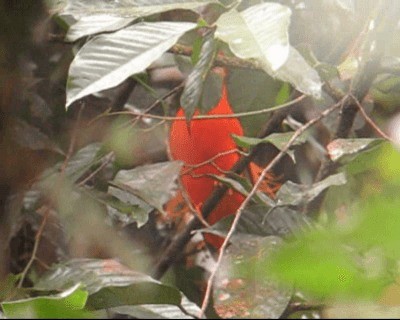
{"points": [[127, 208], [320, 264], [67, 304], [242, 289], [154, 183], [345, 150], [294, 194], [109, 59], [112, 16], [300, 74], [259, 32], [129, 8], [194, 84], [279, 140], [160, 311], [109, 284], [92, 24], [379, 226]]}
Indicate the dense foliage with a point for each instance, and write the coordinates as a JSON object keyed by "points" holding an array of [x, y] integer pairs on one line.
{"points": [[88, 90]]}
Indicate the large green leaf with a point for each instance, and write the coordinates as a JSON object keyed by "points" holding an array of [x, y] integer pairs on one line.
{"points": [[128, 8], [154, 184], [345, 150], [67, 304], [110, 16], [109, 59], [160, 311], [279, 140], [293, 194], [109, 284], [322, 263], [93, 24], [259, 32], [300, 74]]}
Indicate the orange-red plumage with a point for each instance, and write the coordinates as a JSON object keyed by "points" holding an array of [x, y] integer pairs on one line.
{"points": [[200, 141]]}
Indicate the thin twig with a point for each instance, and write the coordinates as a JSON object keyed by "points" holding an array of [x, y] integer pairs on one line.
{"points": [[38, 236], [207, 116], [108, 158], [235, 222], [370, 121]]}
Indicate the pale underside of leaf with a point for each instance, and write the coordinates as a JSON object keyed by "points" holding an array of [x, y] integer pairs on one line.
{"points": [[109, 59], [93, 24], [129, 8], [260, 32]]}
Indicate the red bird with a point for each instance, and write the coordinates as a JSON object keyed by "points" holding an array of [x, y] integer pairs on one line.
{"points": [[206, 147]]}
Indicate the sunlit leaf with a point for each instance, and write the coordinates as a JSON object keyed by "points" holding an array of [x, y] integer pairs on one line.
{"points": [[379, 225], [344, 150], [259, 32], [160, 311], [109, 59], [129, 8], [320, 264], [154, 184], [67, 304], [92, 24]]}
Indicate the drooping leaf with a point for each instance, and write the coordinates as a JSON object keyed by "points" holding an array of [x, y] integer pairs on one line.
{"points": [[92, 24], [109, 284], [67, 304], [294, 194], [345, 150], [81, 161], [105, 17], [242, 290], [129, 8], [127, 208], [279, 140], [259, 32], [191, 94], [109, 59], [300, 74], [154, 183]]}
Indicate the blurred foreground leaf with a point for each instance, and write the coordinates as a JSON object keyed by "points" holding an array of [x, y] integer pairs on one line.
{"points": [[67, 304]]}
